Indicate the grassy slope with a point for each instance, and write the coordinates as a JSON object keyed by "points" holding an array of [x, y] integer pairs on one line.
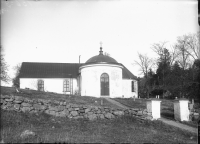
{"points": [[81, 100], [124, 129]]}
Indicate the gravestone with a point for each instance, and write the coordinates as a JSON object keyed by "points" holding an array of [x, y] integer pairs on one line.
{"points": [[181, 112], [153, 106]]}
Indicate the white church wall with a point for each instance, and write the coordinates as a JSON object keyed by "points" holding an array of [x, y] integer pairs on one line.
{"points": [[127, 88], [91, 85], [50, 85]]}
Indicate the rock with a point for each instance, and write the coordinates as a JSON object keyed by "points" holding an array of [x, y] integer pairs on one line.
{"points": [[24, 109], [9, 104], [52, 113], [2, 101], [118, 113], [139, 113], [90, 113], [109, 116], [64, 113], [76, 109], [135, 109], [92, 117], [149, 113], [101, 116], [87, 110], [18, 101], [39, 107], [70, 109], [51, 108], [98, 112], [82, 111], [61, 108], [68, 106], [26, 104], [5, 96], [74, 113], [27, 133], [46, 111], [149, 117], [16, 106], [144, 112], [9, 100]]}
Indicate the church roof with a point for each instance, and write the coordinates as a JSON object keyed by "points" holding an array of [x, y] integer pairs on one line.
{"points": [[101, 58], [49, 70], [58, 70]]}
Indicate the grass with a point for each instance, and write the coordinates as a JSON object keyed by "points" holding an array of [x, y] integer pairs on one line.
{"points": [[49, 129], [70, 99]]}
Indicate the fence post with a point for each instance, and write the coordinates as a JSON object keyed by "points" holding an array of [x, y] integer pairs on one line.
{"points": [[181, 112], [153, 106]]}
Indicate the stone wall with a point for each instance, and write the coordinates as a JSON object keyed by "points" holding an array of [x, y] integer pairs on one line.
{"points": [[62, 109]]}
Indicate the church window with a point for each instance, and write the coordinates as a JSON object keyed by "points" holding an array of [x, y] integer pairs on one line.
{"points": [[132, 86], [40, 85], [66, 85]]}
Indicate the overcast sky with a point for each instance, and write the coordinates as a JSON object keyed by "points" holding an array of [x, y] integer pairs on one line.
{"points": [[60, 31]]}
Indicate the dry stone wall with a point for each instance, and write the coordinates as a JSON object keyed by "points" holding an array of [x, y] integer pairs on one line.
{"points": [[62, 109]]}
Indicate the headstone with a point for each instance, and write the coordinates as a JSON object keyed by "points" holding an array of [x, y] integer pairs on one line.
{"points": [[181, 112], [153, 107]]}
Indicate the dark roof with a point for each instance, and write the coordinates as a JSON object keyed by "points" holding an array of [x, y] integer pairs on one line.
{"points": [[49, 70], [101, 58], [58, 70], [126, 74]]}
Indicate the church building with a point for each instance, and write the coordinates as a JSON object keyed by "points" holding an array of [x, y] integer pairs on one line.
{"points": [[99, 76]]}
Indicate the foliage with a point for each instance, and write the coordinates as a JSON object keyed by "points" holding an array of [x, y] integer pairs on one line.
{"points": [[15, 80], [145, 63], [178, 70], [4, 68]]}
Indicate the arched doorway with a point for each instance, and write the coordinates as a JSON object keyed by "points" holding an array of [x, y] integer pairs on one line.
{"points": [[104, 84]]}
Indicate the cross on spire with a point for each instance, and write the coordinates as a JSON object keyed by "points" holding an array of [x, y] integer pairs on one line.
{"points": [[101, 52], [101, 43]]}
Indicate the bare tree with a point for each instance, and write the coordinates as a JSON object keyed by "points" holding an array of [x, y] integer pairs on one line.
{"points": [[193, 45], [182, 48], [145, 63], [4, 68], [160, 48]]}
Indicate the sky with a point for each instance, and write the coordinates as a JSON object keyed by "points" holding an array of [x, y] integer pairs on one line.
{"points": [[60, 31]]}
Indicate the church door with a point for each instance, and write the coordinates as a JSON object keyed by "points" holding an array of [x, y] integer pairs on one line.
{"points": [[104, 84]]}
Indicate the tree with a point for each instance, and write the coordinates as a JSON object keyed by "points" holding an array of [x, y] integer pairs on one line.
{"points": [[193, 45], [4, 68], [15, 80], [145, 63]]}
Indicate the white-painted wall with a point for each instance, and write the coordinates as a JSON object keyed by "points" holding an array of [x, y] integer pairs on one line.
{"points": [[181, 111], [127, 88], [50, 84], [91, 80]]}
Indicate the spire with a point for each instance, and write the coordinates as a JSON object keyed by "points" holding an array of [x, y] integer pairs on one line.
{"points": [[100, 52]]}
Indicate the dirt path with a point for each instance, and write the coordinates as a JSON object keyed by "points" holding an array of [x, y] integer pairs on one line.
{"points": [[166, 121], [179, 125], [117, 103]]}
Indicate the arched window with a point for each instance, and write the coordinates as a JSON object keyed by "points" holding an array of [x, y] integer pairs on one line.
{"points": [[104, 84], [40, 85], [66, 85]]}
